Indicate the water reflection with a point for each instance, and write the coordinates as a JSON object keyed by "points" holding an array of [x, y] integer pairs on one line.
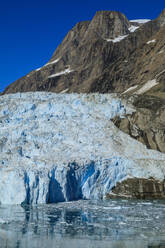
{"points": [[116, 223]]}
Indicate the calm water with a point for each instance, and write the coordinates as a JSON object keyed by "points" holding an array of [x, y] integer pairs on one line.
{"points": [[93, 224]]}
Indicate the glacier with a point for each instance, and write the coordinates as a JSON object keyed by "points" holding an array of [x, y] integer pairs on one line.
{"points": [[64, 147]]}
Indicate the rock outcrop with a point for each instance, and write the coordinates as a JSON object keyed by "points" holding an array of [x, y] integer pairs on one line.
{"points": [[139, 188], [147, 124]]}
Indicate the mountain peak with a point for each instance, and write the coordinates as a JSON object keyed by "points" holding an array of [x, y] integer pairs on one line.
{"points": [[101, 55], [109, 24]]}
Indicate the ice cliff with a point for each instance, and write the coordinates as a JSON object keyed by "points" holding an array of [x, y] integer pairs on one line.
{"points": [[62, 147]]}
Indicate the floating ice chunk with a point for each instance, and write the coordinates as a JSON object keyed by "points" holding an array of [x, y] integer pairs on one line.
{"points": [[133, 28], [129, 89], [68, 70], [151, 41], [3, 221], [141, 21], [117, 39], [147, 86]]}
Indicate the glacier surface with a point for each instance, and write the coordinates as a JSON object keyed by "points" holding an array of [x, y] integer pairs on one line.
{"points": [[63, 147]]}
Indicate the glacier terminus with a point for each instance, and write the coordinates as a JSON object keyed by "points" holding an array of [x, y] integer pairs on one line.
{"points": [[64, 147]]}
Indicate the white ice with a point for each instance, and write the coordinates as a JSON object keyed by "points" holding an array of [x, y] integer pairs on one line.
{"points": [[3, 221], [62, 147]]}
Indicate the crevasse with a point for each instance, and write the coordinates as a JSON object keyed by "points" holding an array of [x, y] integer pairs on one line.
{"points": [[64, 147]]}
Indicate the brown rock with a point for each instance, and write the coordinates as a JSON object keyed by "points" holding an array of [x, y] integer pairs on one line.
{"points": [[147, 124], [139, 188]]}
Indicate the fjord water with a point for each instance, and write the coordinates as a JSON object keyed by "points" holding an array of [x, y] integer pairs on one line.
{"points": [[111, 223]]}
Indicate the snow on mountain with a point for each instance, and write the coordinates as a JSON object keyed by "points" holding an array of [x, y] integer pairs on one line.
{"points": [[141, 21], [133, 28], [59, 147], [66, 71], [49, 63], [147, 86], [131, 88], [117, 39], [151, 41]]}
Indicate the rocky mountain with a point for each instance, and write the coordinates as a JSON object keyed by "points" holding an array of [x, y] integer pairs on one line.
{"points": [[108, 54]]}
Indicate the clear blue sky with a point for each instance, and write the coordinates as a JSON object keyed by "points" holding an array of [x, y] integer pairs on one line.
{"points": [[30, 30]]}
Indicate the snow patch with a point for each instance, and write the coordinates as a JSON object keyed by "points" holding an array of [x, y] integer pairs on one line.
{"points": [[68, 70], [147, 86], [162, 51], [49, 63], [131, 88], [151, 41], [117, 39], [52, 62], [64, 91], [133, 28], [141, 21], [39, 69]]}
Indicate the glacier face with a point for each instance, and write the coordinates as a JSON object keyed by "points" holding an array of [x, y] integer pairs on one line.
{"points": [[63, 147]]}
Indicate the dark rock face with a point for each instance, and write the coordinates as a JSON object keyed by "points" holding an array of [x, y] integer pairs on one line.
{"points": [[147, 124], [92, 62], [139, 188]]}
